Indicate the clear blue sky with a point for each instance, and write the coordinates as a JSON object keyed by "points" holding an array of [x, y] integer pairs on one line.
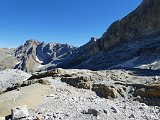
{"points": [[62, 21]]}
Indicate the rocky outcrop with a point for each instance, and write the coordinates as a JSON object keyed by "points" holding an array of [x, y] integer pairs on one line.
{"points": [[79, 82], [105, 91], [51, 73], [149, 93]]}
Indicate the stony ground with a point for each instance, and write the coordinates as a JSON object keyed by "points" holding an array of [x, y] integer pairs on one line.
{"points": [[57, 100], [69, 103], [10, 77]]}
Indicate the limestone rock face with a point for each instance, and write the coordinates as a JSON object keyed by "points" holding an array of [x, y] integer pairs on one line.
{"points": [[144, 20]]}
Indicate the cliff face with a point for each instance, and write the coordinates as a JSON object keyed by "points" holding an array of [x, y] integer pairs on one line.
{"points": [[140, 29], [142, 21]]}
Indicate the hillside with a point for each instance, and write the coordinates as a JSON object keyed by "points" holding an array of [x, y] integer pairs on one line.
{"points": [[115, 77], [126, 43]]}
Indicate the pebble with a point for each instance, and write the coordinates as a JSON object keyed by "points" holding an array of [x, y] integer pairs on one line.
{"points": [[115, 110]]}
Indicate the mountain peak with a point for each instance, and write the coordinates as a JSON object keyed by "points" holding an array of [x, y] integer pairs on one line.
{"points": [[31, 41], [144, 20]]}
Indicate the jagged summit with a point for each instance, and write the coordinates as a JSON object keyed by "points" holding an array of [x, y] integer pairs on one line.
{"points": [[31, 41]]}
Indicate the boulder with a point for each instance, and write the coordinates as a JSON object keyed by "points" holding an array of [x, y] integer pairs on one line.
{"points": [[114, 109], [19, 112], [105, 91], [148, 91], [150, 94], [79, 82], [44, 81], [93, 112]]}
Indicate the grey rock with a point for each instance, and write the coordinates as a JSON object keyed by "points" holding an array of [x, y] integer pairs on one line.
{"points": [[94, 112], [105, 111], [19, 112], [132, 116], [115, 110]]}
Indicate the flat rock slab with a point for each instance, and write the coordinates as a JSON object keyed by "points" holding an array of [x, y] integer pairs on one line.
{"points": [[29, 95]]}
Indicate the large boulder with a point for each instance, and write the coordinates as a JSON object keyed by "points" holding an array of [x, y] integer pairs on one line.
{"points": [[150, 94], [105, 91], [19, 112], [148, 91], [78, 81]]}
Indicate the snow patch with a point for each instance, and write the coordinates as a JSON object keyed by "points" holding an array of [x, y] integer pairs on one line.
{"points": [[37, 59], [129, 63], [149, 66], [18, 63], [40, 66]]}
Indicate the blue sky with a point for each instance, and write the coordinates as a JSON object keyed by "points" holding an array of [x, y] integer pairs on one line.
{"points": [[63, 21]]}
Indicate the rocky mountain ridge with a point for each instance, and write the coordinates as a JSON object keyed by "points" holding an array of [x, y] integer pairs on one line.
{"points": [[127, 43], [123, 82], [123, 42]]}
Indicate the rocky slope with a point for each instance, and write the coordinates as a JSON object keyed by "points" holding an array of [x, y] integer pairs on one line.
{"points": [[125, 86], [9, 78], [7, 58], [130, 42], [145, 20], [84, 95]]}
